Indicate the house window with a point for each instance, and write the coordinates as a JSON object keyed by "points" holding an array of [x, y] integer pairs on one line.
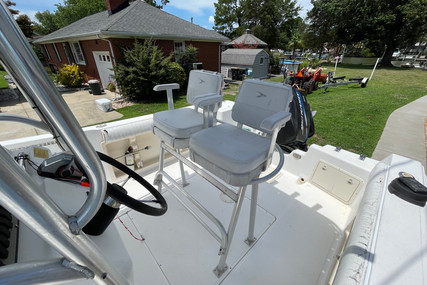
{"points": [[78, 53], [46, 51], [58, 56], [261, 60], [179, 47], [68, 52]]}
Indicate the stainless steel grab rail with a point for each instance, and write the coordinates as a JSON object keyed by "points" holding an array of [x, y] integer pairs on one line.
{"points": [[21, 63], [26, 199]]}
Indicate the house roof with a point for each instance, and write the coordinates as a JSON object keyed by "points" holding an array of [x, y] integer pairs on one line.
{"points": [[238, 56], [139, 19], [248, 39]]}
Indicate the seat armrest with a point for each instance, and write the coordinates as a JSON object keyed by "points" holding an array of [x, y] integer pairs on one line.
{"points": [[168, 87], [277, 120], [206, 100], [163, 87]]}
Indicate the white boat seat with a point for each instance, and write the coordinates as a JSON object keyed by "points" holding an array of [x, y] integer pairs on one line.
{"points": [[238, 156], [235, 155], [174, 127]]}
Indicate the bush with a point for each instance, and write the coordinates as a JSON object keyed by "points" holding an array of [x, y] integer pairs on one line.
{"points": [[70, 76], [275, 65], [177, 73], [366, 53], [186, 58], [143, 67]]}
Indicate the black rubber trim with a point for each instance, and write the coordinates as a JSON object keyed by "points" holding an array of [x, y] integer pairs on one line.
{"points": [[410, 190], [4, 241], [129, 201], [6, 222], [4, 231], [4, 213]]}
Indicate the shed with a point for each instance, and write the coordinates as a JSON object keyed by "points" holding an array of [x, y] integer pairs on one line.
{"points": [[256, 61]]}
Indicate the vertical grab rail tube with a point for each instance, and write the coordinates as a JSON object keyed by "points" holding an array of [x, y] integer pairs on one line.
{"points": [[28, 202], [21, 63], [26, 199]]}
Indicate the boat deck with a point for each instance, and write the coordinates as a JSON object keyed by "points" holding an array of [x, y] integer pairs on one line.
{"points": [[177, 249]]}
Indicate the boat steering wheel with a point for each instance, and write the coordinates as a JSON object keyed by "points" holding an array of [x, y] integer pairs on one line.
{"points": [[117, 192]]}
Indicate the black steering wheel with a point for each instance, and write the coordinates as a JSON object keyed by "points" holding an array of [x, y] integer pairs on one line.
{"points": [[115, 192]]}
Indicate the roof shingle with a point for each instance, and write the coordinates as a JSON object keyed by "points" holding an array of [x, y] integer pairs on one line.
{"points": [[139, 19]]}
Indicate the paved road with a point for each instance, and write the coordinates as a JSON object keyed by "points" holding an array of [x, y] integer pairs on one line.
{"points": [[81, 103]]}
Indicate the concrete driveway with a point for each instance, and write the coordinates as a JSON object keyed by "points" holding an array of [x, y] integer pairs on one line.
{"points": [[81, 103]]}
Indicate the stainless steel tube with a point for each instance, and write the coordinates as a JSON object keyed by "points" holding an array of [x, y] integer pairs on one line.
{"points": [[28, 202], [39, 272], [23, 66]]}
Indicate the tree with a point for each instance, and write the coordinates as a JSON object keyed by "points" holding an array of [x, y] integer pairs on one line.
{"points": [[320, 29], [73, 10], [229, 17], [154, 3], [273, 21], [12, 11], [47, 23], [380, 25], [26, 25], [67, 13]]}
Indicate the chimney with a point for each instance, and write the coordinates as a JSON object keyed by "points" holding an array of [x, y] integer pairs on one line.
{"points": [[114, 6]]}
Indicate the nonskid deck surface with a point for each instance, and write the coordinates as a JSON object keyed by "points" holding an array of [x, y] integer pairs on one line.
{"points": [[298, 227]]}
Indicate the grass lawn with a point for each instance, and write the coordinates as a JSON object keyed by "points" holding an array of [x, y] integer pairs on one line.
{"points": [[3, 82], [347, 116], [354, 117]]}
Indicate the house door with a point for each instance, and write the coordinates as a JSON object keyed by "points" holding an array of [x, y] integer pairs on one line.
{"points": [[104, 65]]}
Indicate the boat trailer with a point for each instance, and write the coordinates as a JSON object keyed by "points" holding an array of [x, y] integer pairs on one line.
{"points": [[337, 81]]}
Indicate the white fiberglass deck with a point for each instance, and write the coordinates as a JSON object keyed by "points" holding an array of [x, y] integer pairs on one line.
{"points": [[298, 231]]}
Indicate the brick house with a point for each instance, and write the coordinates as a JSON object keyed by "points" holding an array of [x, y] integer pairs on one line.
{"points": [[95, 42]]}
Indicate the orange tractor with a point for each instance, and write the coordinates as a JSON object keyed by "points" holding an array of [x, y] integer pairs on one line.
{"points": [[306, 80]]}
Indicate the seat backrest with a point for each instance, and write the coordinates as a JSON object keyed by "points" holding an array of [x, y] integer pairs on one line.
{"points": [[258, 100], [202, 82]]}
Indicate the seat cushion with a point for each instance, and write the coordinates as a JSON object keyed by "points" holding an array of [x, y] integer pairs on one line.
{"points": [[179, 123], [230, 148]]}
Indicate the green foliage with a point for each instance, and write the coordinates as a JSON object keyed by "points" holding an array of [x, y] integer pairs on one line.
{"points": [[177, 73], [305, 63], [38, 51], [228, 15], [111, 87], [186, 58], [275, 65], [154, 3], [70, 75], [315, 62], [47, 23], [366, 52], [67, 13], [273, 22], [143, 67], [376, 23], [24, 22]]}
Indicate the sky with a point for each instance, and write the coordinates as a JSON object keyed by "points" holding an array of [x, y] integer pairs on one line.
{"points": [[202, 11]]}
